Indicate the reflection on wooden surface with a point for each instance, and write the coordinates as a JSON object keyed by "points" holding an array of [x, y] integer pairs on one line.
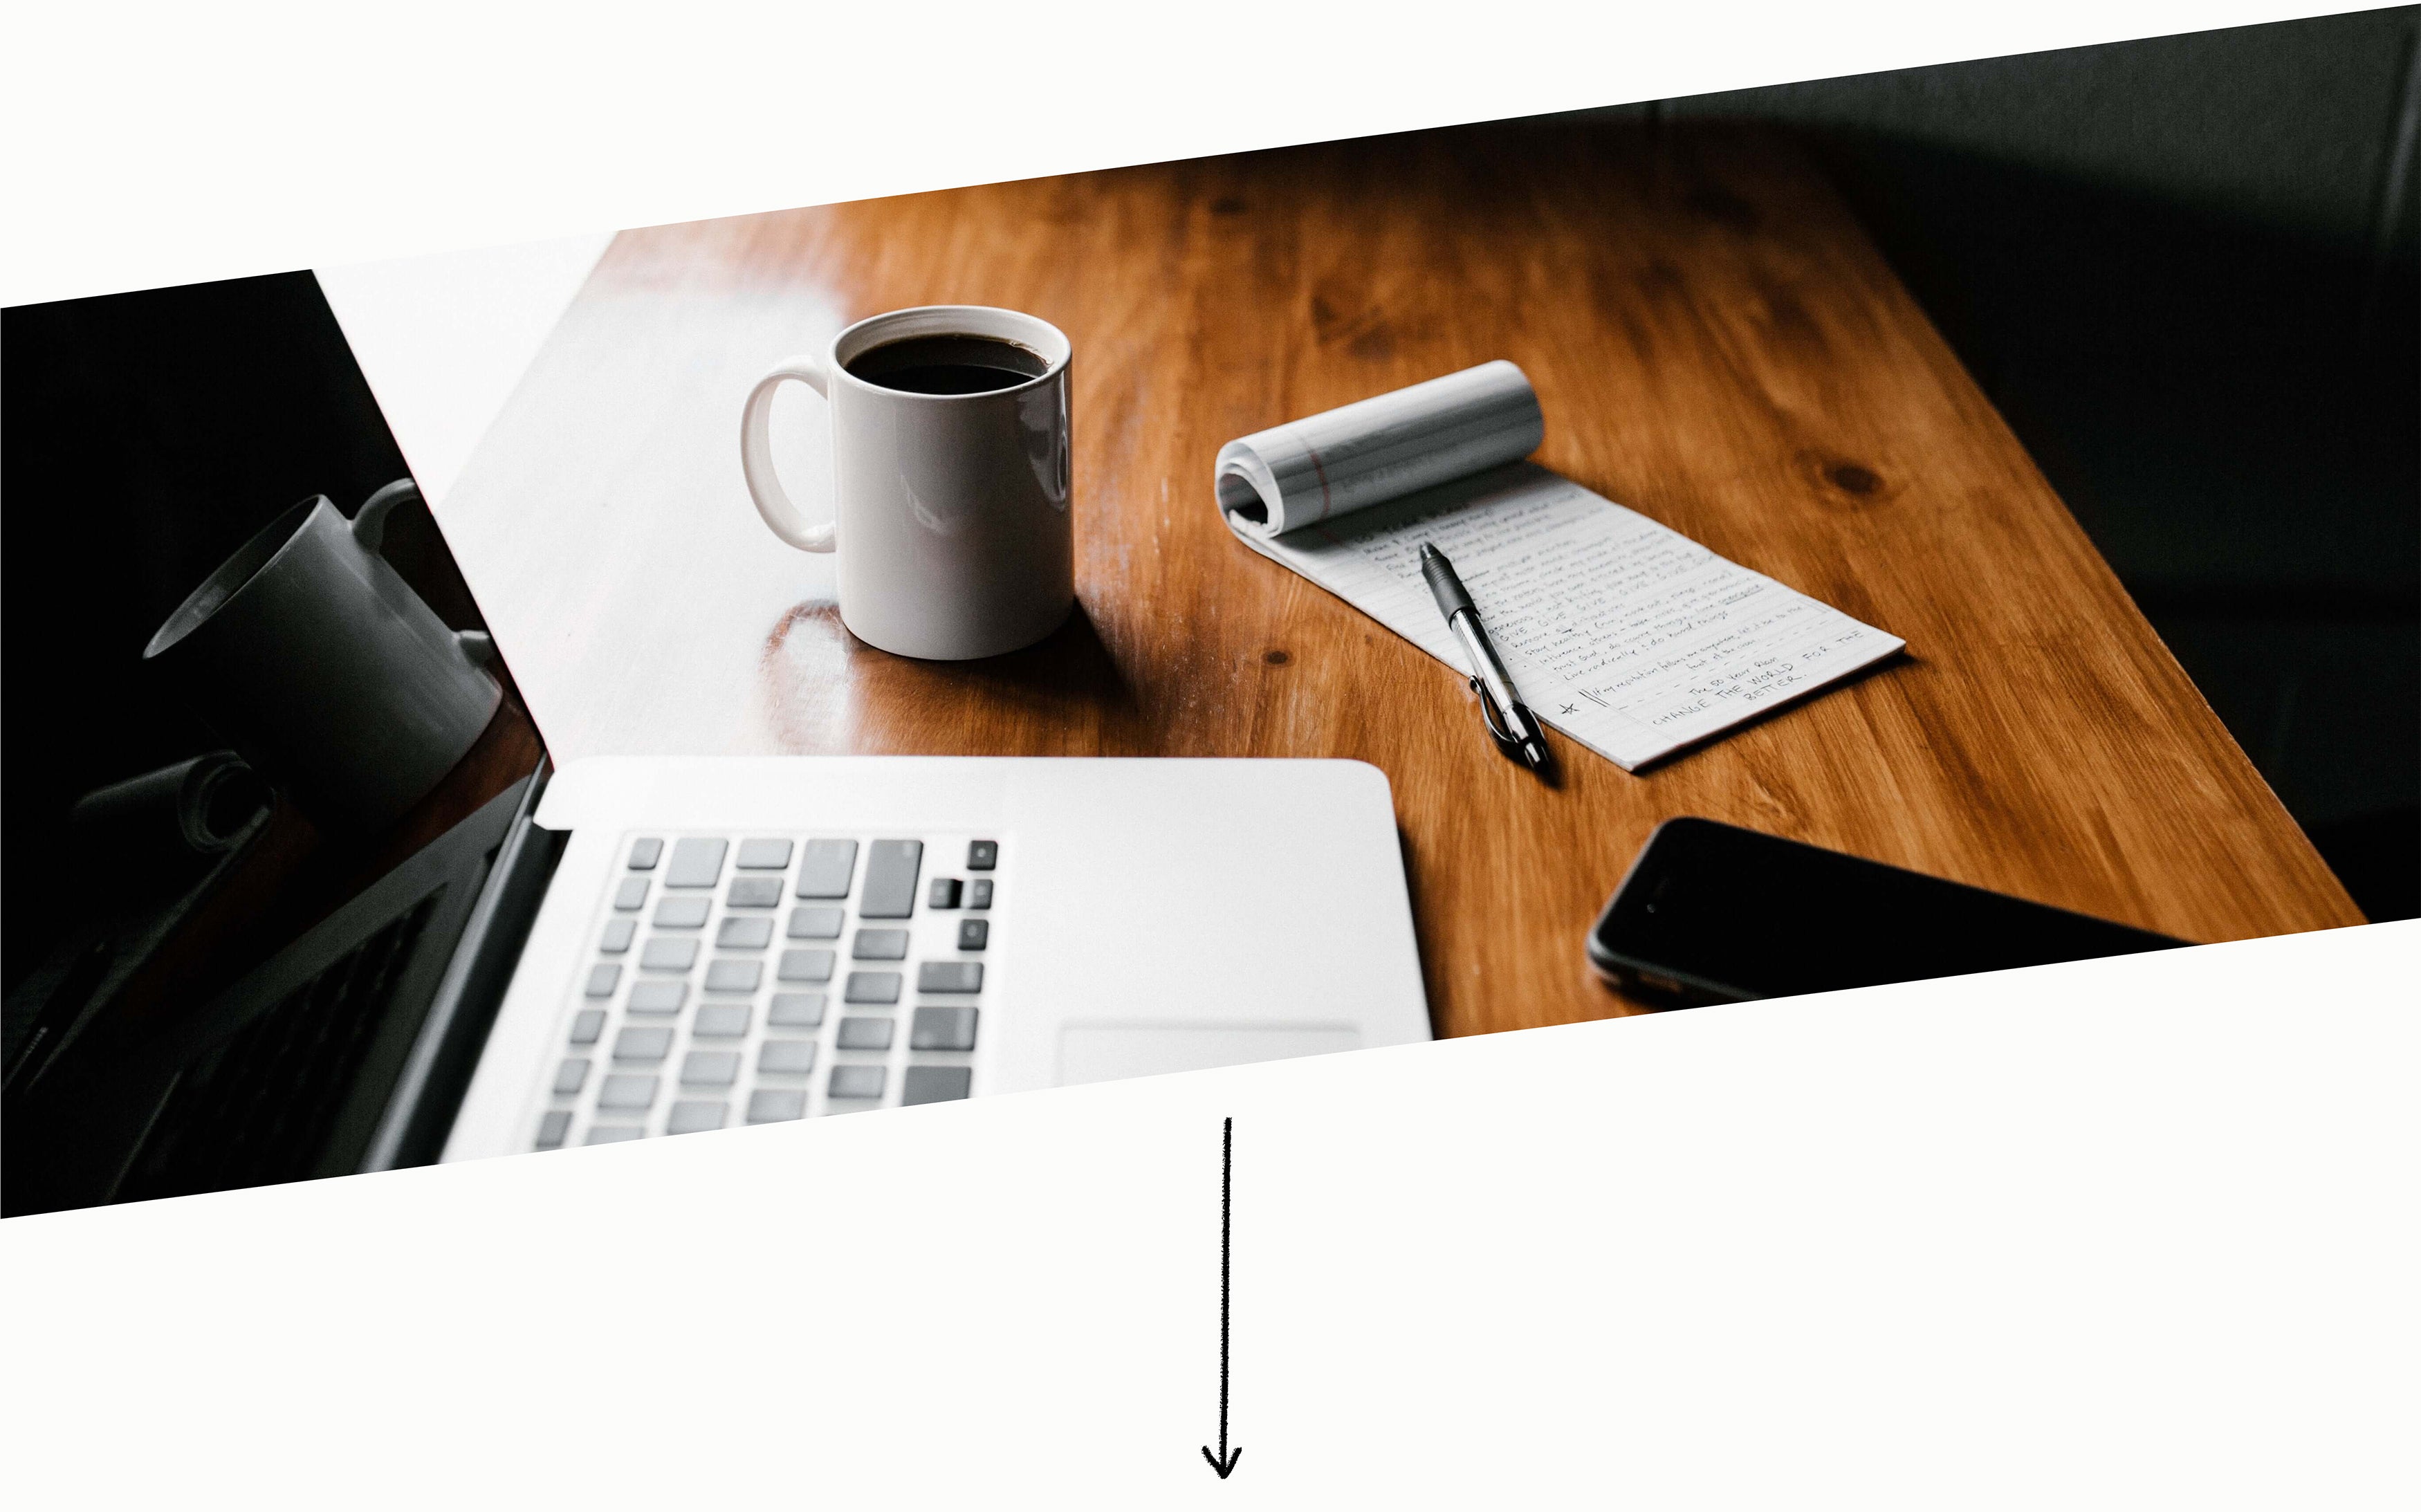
{"points": [[294, 875], [1716, 344]]}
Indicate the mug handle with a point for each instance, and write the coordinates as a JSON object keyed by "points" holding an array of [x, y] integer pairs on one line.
{"points": [[369, 520], [369, 533], [756, 456]]}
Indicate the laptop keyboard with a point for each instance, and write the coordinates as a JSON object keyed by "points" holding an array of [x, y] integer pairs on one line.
{"points": [[756, 979]]}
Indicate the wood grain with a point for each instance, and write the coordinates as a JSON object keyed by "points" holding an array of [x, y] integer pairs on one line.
{"points": [[1717, 345]]}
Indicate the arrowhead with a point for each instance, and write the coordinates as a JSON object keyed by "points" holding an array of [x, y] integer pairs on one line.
{"points": [[1227, 1467]]}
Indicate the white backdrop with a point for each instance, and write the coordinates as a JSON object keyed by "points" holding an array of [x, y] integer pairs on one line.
{"points": [[2131, 1233], [152, 142]]}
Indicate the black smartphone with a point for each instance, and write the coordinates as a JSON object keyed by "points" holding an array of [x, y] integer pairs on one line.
{"points": [[1711, 913]]}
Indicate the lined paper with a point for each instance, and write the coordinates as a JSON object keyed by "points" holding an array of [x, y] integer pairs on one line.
{"points": [[1625, 636]]}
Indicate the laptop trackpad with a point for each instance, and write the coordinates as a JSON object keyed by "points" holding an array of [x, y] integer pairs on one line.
{"points": [[1106, 1051]]}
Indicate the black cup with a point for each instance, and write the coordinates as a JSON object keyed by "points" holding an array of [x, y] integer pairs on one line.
{"points": [[310, 656]]}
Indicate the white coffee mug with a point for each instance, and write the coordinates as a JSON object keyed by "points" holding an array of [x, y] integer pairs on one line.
{"points": [[951, 510]]}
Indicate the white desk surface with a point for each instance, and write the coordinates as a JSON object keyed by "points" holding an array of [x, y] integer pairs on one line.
{"points": [[444, 339], [626, 577]]}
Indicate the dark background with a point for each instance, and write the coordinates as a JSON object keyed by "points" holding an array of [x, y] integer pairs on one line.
{"points": [[2184, 270], [147, 436]]}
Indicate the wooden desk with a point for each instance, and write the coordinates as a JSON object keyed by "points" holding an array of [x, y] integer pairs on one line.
{"points": [[1716, 344]]}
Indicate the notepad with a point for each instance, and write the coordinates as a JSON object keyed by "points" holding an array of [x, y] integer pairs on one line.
{"points": [[1625, 636]]}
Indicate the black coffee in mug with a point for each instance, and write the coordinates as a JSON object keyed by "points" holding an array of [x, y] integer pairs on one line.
{"points": [[948, 364]]}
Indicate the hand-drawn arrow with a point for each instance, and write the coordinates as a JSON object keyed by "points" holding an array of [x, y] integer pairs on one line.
{"points": [[1225, 1460]]}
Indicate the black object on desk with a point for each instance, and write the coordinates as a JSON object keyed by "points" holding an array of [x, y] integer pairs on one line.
{"points": [[1509, 719], [1710, 913]]}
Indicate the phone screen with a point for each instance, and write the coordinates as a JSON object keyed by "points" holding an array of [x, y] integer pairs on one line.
{"points": [[1711, 913]]}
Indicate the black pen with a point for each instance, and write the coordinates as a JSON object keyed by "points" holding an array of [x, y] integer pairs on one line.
{"points": [[1509, 719]]}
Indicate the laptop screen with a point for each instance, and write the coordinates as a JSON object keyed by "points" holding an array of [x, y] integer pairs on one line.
{"points": [[239, 701]]}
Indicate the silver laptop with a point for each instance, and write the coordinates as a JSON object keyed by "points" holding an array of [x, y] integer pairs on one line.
{"points": [[724, 942], [636, 947]]}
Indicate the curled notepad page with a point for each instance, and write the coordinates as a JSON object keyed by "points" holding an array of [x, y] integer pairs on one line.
{"points": [[1624, 635], [1292, 476]]}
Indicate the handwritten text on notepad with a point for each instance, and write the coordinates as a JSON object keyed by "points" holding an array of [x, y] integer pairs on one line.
{"points": [[1627, 636]]}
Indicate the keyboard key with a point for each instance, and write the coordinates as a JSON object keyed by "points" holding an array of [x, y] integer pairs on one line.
{"points": [[891, 878], [644, 854], [587, 1025], [982, 855], [871, 987], [658, 997], [950, 977], [721, 1020], [551, 1128], [942, 893], [979, 893], [973, 933], [603, 978], [880, 944], [855, 1082], [796, 1010], [935, 1083], [710, 1068], [668, 953], [643, 1044], [617, 938], [865, 1033], [696, 1118], [734, 975], [615, 1133], [942, 1028], [763, 856], [753, 892], [570, 1077], [825, 869], [773, 1105], [815, 921], [696, 862], [627, 1092], [805, 966], [745, 934], [682, 913], [786, 1057], [631, 895]]}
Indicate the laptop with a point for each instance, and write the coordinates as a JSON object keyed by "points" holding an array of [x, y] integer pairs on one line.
{"points": [[721, 942], [636, 947]]}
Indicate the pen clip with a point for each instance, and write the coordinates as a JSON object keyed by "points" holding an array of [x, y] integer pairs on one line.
{"points": [[1489, 711]]}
